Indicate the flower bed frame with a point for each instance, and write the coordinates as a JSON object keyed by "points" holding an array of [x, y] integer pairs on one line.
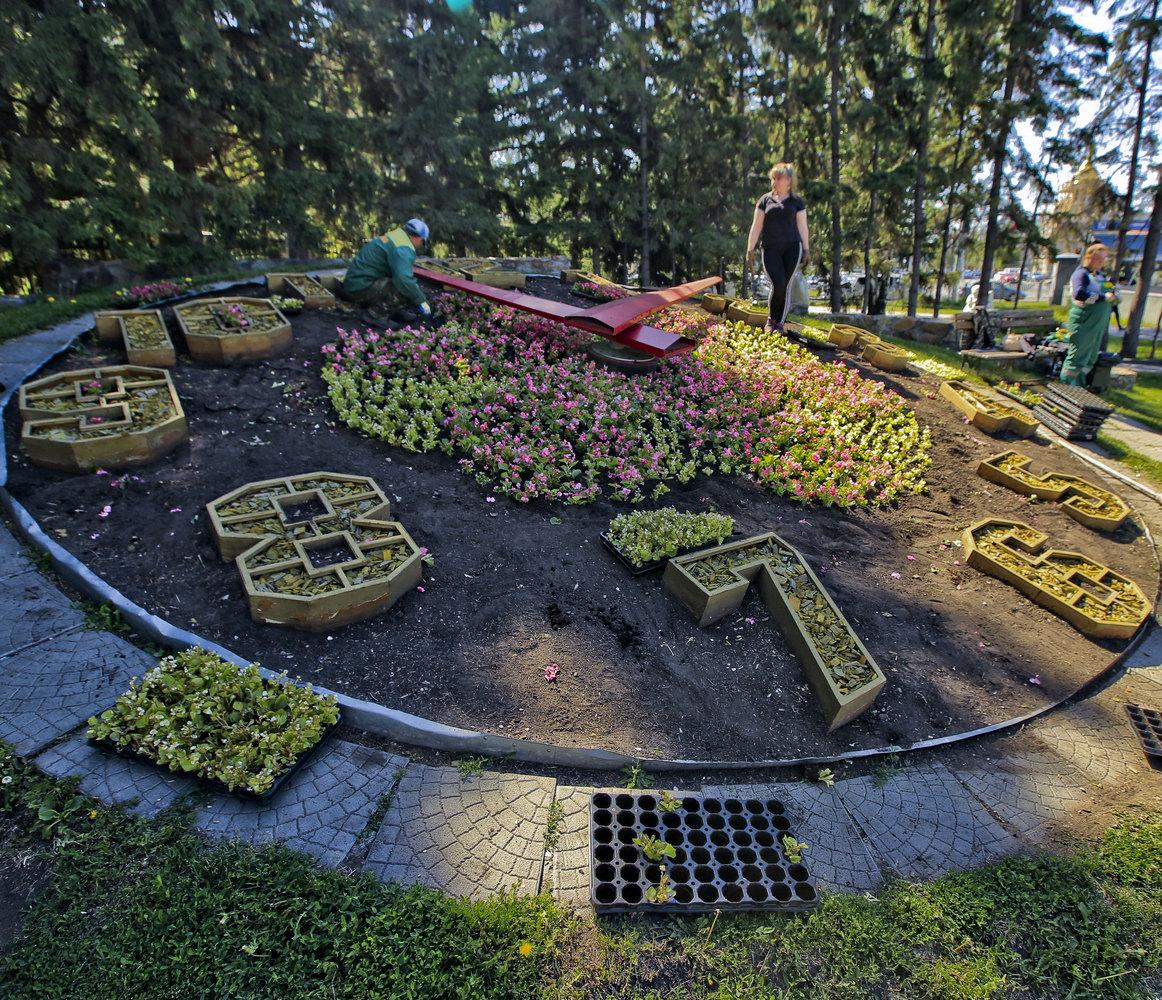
{"points": [[714, 304], [986, 411], [262, 527], [269, 335], [1086, 503], [795, 597], [844, 336], [91, 418], [124, 325], [316, 292], [887, 357], [1091, 597]]}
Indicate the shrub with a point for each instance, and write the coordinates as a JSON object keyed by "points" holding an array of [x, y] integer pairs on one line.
{"points": [[647, 535], [195, 713]]}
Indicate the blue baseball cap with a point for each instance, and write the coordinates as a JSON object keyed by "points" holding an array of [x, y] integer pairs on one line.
{"points": [[417, 227]]}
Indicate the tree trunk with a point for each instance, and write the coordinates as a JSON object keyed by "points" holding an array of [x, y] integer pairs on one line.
{"points": [[921, 160], [1000, 155], [786, 106], [833, 36], [1149, 253], [643, 129], [869, 229], [1036, 210], [1131, 184], [948, 219]]}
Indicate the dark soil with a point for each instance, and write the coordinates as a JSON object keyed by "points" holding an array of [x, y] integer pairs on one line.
{"points": [[511, 592]]}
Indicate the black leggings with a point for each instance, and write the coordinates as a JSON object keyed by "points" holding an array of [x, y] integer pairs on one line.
{"points": [[780, 263]]}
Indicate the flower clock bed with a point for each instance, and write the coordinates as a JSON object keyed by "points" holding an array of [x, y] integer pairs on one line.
{"points": [[601, 292], [529, 414], [645, 539], [223, 331], [101, 417], [1091, 505], [196, 714]]}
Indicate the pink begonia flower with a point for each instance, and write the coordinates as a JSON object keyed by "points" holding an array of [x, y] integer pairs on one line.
{"points": [[421, 590], [105, 511], [895, 576], [551, 671], [1035, 679], [911, 558]]}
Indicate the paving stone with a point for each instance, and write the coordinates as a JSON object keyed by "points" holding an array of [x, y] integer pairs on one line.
{"points": [[12, 558], [838, 856], [114, 779], [1149, 652], [569, 864], [321, 810], [49, 689], [922, 823], [503, 849], [32, 609], [1033, 794]]}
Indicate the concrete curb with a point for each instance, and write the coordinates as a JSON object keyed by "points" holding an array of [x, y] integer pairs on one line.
{"points": [[416, 730]]}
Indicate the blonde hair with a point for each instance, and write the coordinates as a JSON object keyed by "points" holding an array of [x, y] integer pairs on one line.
{"points": [[1091, 250], [783, 170]]}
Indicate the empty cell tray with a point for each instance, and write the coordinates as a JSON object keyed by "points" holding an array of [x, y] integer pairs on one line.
{"points": [[1147, 723]]}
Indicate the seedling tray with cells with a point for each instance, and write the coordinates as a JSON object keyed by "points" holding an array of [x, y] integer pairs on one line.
{"points": [[315, 551], [1147, 723], [839, 668], [1091, 597], [223, 331], [109, 418], [1086, 503], [727, 854]]}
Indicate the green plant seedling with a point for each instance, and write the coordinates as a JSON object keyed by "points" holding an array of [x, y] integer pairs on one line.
{"points": [[553, 825], [793, 848], [825, 776], [469, 766], [654, 848], [661, 892], [667, 803], [635, 777]]}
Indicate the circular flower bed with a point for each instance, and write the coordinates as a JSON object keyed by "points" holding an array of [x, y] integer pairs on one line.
{"points": [[516, 398]]}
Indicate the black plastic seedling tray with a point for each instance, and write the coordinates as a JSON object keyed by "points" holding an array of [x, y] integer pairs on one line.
{"points": [[213, 784], [1147, 723], [729, 856], [657, 563], [1078, 397]]}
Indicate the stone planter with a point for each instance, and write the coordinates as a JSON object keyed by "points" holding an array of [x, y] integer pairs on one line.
{"points": [[316, 293], [142, 333], [101, 418], [712, 584], [843, 336], [886, 356], [315, 551], [985, 411], [1086, 503], [209, 339], [1091, 597], [714, 304]]}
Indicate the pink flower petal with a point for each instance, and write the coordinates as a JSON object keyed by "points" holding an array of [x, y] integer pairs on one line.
{"points": [[895, 576], [551, 671]]}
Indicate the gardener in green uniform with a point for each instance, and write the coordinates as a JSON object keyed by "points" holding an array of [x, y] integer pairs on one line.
{"points": [[1089, 317], [383, 272]]}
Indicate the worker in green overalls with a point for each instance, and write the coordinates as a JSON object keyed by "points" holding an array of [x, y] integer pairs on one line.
{"points": [[1089, 316], [383, 273]]}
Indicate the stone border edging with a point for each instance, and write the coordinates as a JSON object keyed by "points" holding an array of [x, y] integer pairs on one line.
{"points": [[416, 730]]}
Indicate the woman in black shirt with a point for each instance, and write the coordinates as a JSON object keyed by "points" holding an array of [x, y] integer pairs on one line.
{"points": [[780, 223]]}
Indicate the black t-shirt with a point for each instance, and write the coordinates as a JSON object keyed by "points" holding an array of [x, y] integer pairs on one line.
{"points": [[779, 226]]}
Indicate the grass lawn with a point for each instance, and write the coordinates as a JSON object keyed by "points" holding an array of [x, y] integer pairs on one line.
{"points": [[130, 908]]}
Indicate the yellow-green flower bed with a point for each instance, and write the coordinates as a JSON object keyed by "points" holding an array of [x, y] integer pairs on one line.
{"points": [[196, 714]]}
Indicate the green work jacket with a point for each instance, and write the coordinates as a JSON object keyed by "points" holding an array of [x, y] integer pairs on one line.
{"points": [[389, 256]]}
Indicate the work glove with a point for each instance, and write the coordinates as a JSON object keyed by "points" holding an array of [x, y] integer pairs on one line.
{"points": [[425, 310]]}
